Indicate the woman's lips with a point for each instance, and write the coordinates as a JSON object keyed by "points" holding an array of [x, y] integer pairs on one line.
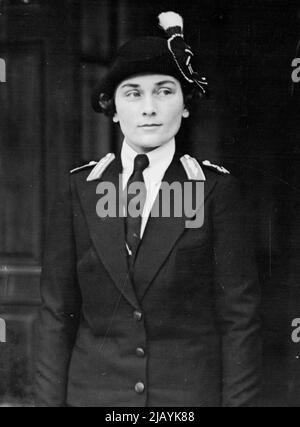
{"points": [[150, 126]]}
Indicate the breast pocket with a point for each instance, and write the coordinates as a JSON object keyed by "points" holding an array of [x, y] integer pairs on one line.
{"points": [[193, 260], [88, 261]]}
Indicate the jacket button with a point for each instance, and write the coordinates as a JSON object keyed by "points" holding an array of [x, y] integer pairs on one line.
{"points": [[137, 315], [140, 352], [139, 388]]}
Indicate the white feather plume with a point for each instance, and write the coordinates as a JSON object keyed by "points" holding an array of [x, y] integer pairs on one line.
{"points": [[170, 19]]}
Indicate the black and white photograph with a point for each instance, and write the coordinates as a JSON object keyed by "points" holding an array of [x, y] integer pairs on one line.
{"points": [[150, 206]]}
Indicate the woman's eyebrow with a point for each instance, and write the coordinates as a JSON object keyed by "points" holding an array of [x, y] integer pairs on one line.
{"points": [[165, 82], [131, 85], [136, 86]]}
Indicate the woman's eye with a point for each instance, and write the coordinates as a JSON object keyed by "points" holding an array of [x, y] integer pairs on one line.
{"points": [[133, 94], [165, 92]]}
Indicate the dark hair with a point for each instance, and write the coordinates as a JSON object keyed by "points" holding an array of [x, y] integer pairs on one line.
{"points": [[191, 95]]}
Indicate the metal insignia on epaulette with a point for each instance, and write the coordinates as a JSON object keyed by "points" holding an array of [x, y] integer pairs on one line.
{"points": [[192, 168], [219, 168], [101, 166], [92, 163]]}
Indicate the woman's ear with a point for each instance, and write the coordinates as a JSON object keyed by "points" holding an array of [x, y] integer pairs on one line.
{"points": [[116, 118], [185, 113]]}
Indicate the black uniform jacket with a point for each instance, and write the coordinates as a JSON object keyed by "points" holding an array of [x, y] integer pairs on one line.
{"points": [[182, 331]]}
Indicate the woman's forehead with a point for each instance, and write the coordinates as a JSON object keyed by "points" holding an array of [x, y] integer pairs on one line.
{"points": [[141, 80]]}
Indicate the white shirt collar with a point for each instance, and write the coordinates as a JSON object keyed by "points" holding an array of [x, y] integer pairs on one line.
{"points": [[160, 159]]}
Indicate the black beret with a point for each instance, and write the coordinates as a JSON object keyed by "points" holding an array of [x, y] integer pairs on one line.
{"points": [[152, 55], [139, 56]]}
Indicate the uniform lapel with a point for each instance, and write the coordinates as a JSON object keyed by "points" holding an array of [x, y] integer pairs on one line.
{"points": [[161, 234], [108, 234]]}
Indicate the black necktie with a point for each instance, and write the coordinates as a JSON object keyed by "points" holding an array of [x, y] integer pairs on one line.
{"points": [[133, 222]]}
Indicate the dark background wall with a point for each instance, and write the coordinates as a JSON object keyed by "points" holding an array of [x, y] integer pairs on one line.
{"points": [[55, 53]]}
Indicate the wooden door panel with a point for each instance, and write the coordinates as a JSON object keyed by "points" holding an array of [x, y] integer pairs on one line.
{"points": [[17, 361], [39, 143], [21, 134]]}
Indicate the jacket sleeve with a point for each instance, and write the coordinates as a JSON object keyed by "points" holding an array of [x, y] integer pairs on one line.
{"points": [[237, 297], [61, 304]]}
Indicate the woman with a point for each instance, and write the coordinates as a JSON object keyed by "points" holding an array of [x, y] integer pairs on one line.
{"points": [[142, 309]]}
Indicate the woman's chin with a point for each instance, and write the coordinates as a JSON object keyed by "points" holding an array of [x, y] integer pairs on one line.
{"points": [[150, 143]]}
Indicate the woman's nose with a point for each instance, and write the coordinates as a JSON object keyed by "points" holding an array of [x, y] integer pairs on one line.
{"points": [[149, 107]]}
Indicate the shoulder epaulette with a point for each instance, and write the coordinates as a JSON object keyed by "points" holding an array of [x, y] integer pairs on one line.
{"points": [[83, 167], [220, 169], [101, 166], [192, 168]]}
